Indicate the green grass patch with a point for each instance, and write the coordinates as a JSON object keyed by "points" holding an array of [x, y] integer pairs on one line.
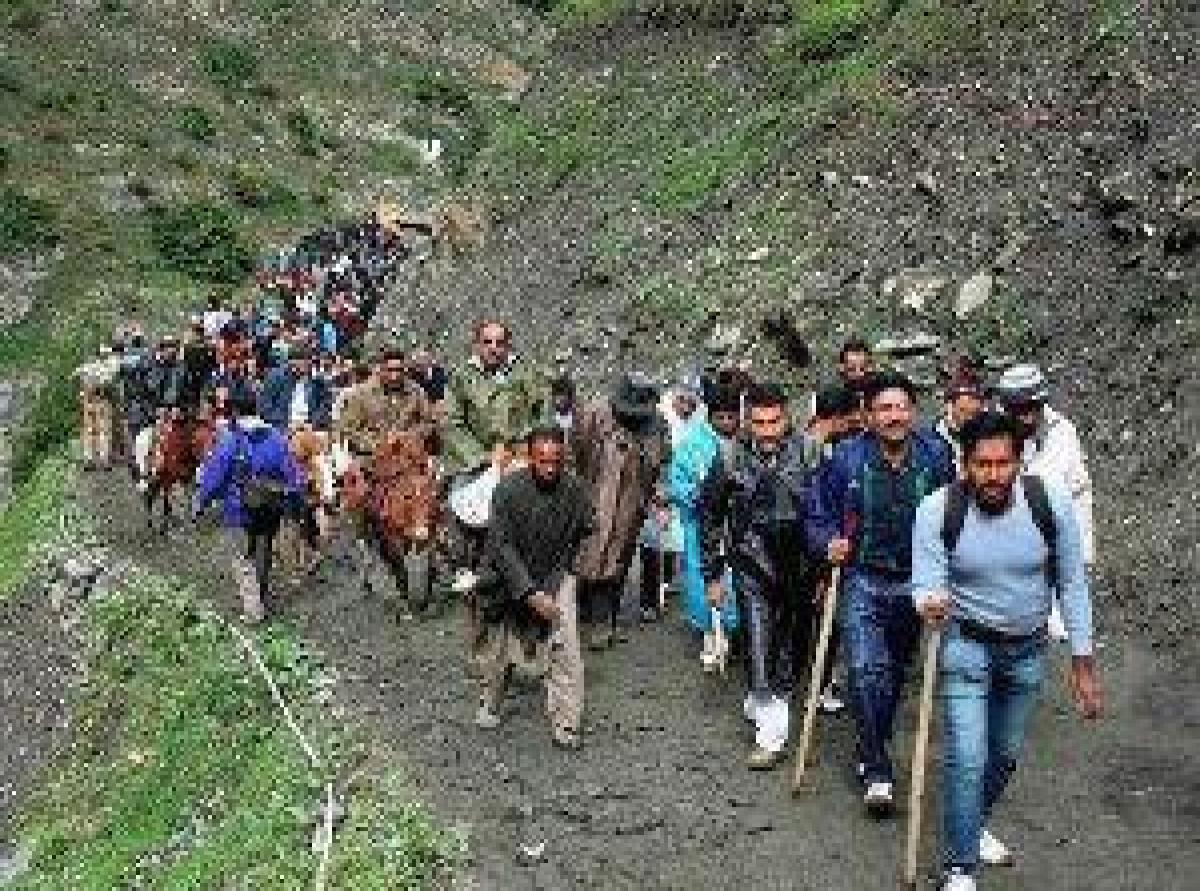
{"points": [[31, 520], [202, 240], [254, 188], [195, 122], [183, 775], [25, 222], [392, 158], [229, 65], [824, 29]]}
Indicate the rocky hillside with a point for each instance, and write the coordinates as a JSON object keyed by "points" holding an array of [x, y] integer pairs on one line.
{"points": [[1017, 179], [150, 151]]}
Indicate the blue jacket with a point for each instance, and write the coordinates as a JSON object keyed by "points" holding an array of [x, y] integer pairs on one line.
{"points": [[855, 495], [275, 399], [327, 337], [268, 456]]}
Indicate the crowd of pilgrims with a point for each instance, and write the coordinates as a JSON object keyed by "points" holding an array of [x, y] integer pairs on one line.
{"points": [[490, 481]]}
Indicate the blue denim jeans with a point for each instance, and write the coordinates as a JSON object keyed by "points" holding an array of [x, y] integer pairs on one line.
{"points": [[987, 692], [880, 633]]}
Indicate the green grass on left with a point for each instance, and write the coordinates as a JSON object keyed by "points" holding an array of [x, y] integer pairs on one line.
{"points": [[183, 776]]}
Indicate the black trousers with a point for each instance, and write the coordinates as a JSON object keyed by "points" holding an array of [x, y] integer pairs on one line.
{"points": [[261, 531], [778, 630], [600, 600]]}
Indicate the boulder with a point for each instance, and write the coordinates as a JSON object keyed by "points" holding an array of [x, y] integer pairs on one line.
{"points": [[914, 288], [974, 293]]}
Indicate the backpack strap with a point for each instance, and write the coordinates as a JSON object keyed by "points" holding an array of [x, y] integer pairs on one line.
{"points": [[1043, 517], [955, 515]]}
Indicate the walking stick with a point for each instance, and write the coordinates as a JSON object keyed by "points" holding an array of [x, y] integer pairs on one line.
{"points": [[662, 568], [720, 645], [920, 753], [800, 780]]}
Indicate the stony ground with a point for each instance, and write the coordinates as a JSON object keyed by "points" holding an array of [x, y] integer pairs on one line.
{"points": [[658, 797]]}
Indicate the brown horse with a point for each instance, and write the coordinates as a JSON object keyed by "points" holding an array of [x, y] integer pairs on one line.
{"points": [[180, 446], [307, 537], [399, 500]]}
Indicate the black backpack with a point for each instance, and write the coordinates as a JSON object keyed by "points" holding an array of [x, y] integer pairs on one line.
{"points": [[957, 503], [260, 494]]}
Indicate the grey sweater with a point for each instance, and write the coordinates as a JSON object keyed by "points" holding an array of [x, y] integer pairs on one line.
{"points": [[996, 575]]}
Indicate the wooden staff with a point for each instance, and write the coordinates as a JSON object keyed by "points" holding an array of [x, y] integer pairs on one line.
{"points": [[800, 782], [920, 755]]}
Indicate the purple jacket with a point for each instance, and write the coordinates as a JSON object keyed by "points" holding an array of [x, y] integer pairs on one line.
{"points": [[268, 455]]}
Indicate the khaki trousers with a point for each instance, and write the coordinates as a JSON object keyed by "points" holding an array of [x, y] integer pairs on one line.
{"points": [[557, 658], [97, 438]]}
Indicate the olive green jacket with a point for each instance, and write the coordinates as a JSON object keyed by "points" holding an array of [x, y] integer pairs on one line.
{"points": [[483, 410]]}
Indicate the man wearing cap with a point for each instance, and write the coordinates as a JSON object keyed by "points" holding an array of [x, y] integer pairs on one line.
{"points": [[293, 397], [619, 448], [860, 516], [1053, 451]]}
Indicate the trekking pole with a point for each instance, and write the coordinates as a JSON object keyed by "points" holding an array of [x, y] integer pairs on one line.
{"points": [[920, 755], [800, 780], [720, 646], [662, 567]]}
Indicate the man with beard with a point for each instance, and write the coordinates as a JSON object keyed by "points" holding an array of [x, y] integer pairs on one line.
{"points": [[854, 365], [860, 517], [753, 516], [540, 515], [1052, 451], [984, 553]]}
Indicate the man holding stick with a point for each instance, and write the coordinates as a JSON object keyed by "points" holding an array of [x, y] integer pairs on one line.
{"points": [[987, 554], [860, 517]]}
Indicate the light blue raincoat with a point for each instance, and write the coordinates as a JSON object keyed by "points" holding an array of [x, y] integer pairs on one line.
{"points": [[691, 460]]}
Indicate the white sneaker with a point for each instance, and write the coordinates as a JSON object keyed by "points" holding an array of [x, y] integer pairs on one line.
{"points": [[958, 881], [1055, 626], [486, 719], [464, 581], [878, 798], [829, 702], [992, 851]]}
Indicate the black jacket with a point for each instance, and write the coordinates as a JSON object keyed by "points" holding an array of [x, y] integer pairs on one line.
{"points": [[533, 539], [759, 509]]}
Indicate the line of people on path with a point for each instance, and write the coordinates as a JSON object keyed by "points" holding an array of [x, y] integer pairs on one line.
{"points": [[981, 522], [978, 523]]}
